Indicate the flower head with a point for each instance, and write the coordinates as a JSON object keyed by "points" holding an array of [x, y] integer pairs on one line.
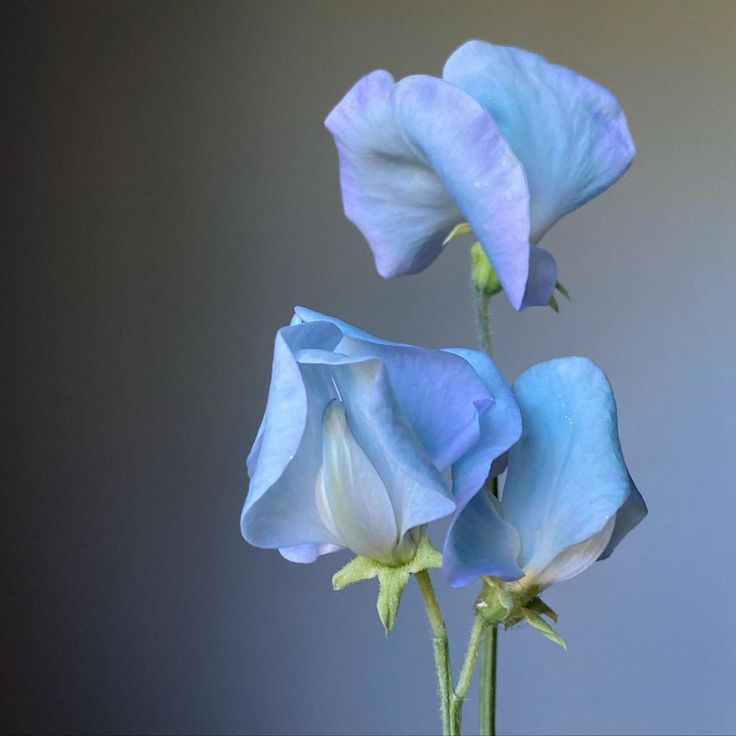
{"points": [[360, 439], [568, 498], [506, 142]]}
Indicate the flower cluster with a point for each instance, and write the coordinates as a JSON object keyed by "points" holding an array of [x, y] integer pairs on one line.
{"points": [[364, 441]]}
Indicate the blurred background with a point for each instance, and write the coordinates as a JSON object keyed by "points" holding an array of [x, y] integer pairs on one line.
{"points": [[169, 193]]}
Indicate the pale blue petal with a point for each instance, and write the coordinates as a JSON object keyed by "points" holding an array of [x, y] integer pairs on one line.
{"points": [[304, 314], [569, 132], [481, 543], [416, 489], [417, 158], [279, 509], [566, 475], [439, 392], [628, 516], [500, 426], [389, 191], [306, 553]]}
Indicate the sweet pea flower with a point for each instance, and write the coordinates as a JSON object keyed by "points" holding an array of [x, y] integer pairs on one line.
{"points": [[506, 141], [568, 499], [364, 441]]}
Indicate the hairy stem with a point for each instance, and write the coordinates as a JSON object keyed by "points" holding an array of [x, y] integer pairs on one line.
{"points": [[466, 675], [441, 647]]}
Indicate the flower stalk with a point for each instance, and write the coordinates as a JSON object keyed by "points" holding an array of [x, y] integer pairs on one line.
{"points": [[441, 647], [489, 658]]}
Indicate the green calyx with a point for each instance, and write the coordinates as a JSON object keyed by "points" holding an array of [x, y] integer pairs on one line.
{"points": [[483, 274], [391, 579], [509, 604]]}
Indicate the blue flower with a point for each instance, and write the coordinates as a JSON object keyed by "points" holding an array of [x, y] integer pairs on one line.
{"points": [[506, 142], [364, 441], [568, 498]]}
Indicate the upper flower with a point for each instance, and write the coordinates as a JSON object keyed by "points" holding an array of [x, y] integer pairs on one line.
{"points": [[358, 435], [568, 498], [508, 142]]}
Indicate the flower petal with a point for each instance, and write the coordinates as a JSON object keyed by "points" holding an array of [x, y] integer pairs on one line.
{"points": [[279, 509], [481, 543], [351, 497], [500, 428], [389, 191], [575, 559], [628, 516], [569, 132], [542, 278], [566, 475], [439, 392], [305, 553], [467, 555], [414, 485], [418, 158]]}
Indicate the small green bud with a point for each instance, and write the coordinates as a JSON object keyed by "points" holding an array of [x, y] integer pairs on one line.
{"points": [[391, 579], [483, 274]]}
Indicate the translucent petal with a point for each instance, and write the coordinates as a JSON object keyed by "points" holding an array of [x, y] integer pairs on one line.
{"points": [[416, 159], [566, 475], [569, 132]]}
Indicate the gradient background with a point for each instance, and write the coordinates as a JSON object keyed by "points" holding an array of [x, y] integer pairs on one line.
{"points": [[169, 194]]}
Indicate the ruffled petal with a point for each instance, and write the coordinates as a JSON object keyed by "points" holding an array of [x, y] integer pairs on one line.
{"points": [[279, 509], [566, 475], [569, 132], [389, 191], [416, 159], [440, 392]]}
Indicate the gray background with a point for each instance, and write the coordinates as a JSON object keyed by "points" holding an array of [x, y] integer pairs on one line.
{"points": [[169, 193]]}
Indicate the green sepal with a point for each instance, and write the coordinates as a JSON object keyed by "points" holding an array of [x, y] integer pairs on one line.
{"points": [[392, 579], [460, 229], [539, 606], [483, 274], [561, 288], [553, 303], [535, 620]]}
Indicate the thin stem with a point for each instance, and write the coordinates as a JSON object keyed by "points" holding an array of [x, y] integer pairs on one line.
{"points": [[484, 320], [440, 645], [488, 683], [466, 675], [489, 659]]}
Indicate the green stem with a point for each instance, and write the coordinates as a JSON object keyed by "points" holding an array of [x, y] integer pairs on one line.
{"points": [[441, 647], [488, 683], [466, 675], [484, 320], [490, 640]]}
